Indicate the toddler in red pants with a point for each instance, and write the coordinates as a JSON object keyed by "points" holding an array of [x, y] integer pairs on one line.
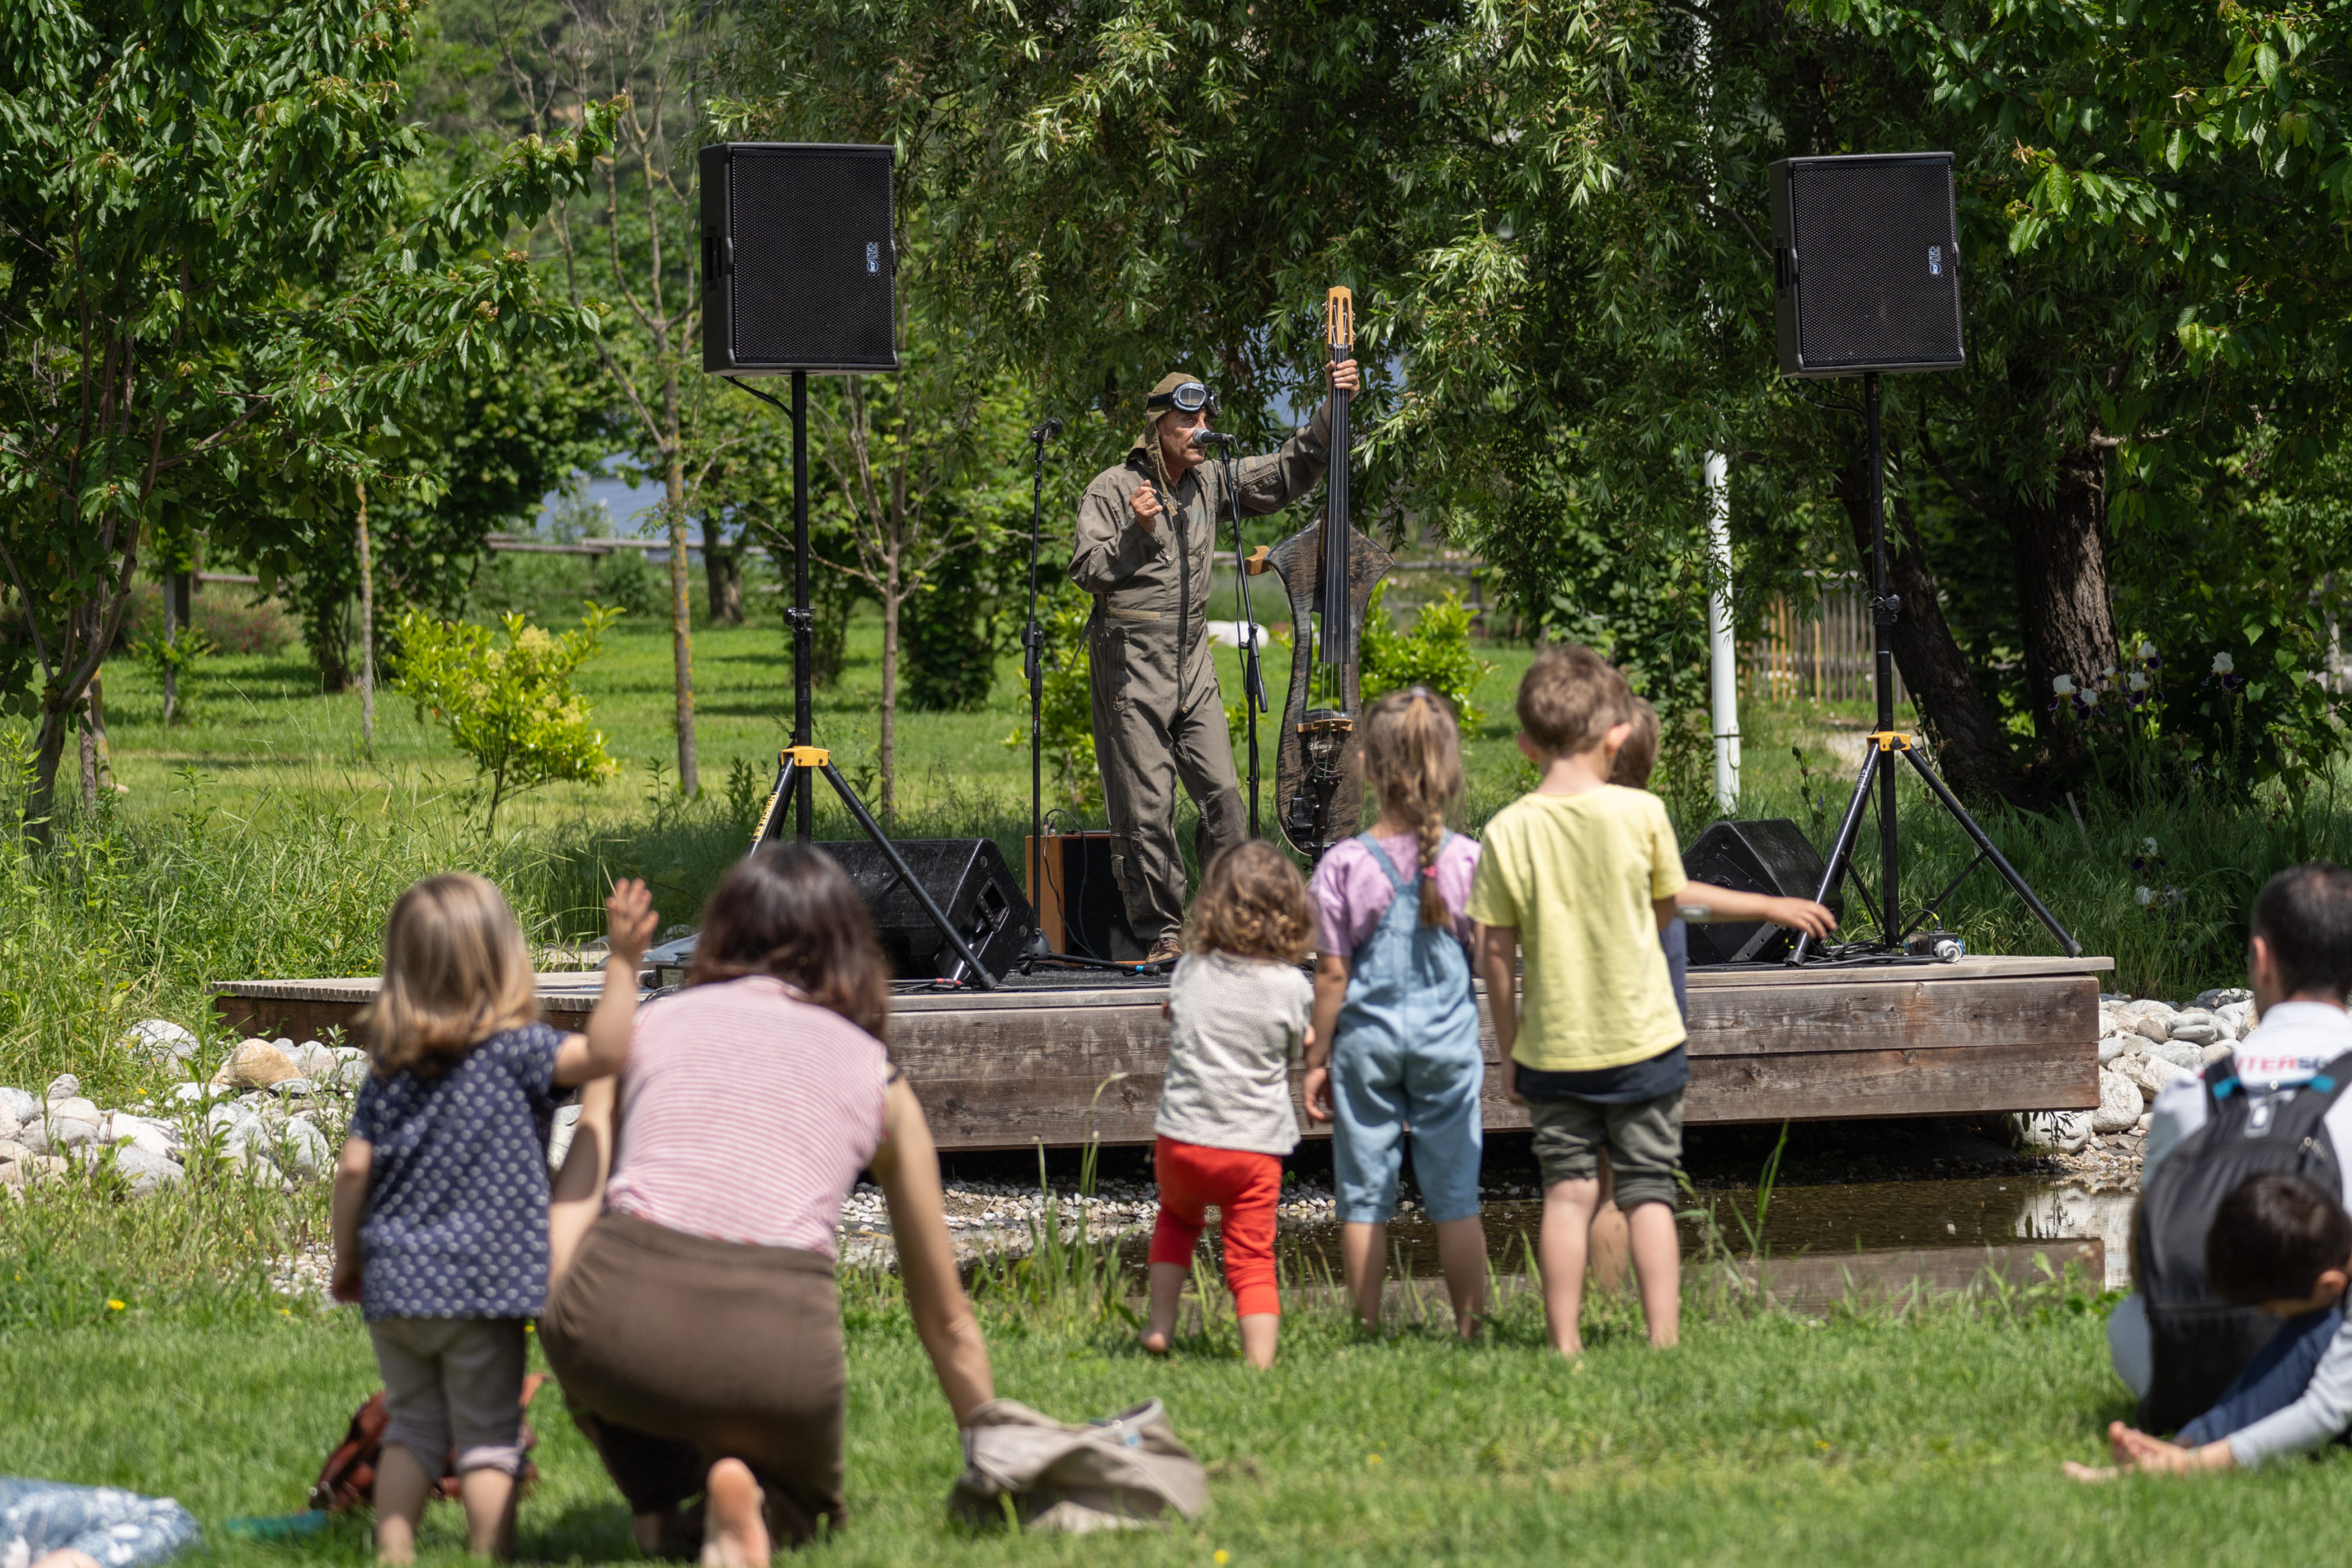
{"points": [[1237, 1012]]}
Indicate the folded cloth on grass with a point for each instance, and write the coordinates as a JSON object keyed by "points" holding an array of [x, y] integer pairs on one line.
{"points": [[118, 1528], [1121, 1472]]}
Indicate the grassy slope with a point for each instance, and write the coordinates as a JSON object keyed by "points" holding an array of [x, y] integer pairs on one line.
{"points": [[1861, 1441]]}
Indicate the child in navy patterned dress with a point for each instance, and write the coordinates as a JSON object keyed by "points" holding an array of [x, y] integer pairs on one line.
{"points": [[440, 1208]]}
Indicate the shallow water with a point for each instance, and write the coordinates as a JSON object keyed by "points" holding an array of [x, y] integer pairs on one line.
{"points": [[1855, 1217]]}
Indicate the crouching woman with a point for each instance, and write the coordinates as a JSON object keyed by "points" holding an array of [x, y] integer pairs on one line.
{"points": [[692, 1316]]}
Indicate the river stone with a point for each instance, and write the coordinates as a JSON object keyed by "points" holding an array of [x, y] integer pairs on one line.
{"points": [[156, 1138], [19, 1105], [2216, 1051], [160, 1041], [145, 1173], [2197, 1028], [2222, 997], [2119, 1103], [256, 1063], [65, 1086], [2150, 1073], [12, 1149], [350, 1073], [2179, 1053], [304, 1148], [10, 1122], [2238, 1017], [2062, 1131], [2149, 1028], [2110, 1047]]}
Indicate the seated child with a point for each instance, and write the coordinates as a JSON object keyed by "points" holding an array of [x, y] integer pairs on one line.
{"points": [[1237, 1010], [2282, 1244]]}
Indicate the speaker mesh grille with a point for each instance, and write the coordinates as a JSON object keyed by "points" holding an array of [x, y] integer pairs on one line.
{"points": [[813, 263], [1877, 280]]}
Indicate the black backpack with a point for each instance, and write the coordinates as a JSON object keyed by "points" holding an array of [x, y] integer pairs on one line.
{"points": [[2199, 1343]]}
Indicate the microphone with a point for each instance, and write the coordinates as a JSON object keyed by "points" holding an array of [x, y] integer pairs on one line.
{"points": [[1046, 432], [1212, 438]]}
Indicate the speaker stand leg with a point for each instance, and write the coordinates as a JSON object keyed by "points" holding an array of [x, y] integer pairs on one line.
{"points": [[1986, 851], [1841, 851], [792, 773]]}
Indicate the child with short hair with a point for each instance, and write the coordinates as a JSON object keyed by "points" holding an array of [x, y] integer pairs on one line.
{"points": [[1237, 1014], [1396, 1021], [2280, 1243], [1580, 874], [440, 1199]]}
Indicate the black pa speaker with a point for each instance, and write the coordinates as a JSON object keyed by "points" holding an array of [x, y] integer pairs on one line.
{"points": [[799, 268], [1771, 856], [1866, 264], [1080, 906], [970, 881]]}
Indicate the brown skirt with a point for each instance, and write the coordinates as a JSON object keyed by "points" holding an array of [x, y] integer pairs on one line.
{"points": [[677, 1351]]}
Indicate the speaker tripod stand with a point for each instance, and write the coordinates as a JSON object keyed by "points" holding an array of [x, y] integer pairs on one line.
{"points": [[1878, 769], [800, 763]]}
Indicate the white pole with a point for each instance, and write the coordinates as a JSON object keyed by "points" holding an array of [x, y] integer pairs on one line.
{"points": [[1724, 656]]}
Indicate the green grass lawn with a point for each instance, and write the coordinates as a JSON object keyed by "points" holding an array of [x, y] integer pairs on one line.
{"points": [[1932, 1439]]}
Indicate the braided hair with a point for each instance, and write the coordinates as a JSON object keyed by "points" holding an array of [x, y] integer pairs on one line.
{"points": [[1412, 758]]}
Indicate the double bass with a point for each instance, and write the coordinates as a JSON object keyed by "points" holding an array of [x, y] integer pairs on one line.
{"points": [[1328, 571]]}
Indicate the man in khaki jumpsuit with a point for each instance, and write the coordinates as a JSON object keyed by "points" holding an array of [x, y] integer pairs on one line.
{"points": [[1147, 533]]}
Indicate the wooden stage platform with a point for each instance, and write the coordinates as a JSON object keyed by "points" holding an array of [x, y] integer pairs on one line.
{"points": [[1066, 1060]]}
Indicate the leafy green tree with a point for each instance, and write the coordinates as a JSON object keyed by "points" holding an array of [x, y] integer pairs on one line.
{"points": [[212, 291], [506, 697]]}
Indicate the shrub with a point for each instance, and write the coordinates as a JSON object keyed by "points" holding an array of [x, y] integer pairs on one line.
{"points": [[1435, 653], [510, 707]]}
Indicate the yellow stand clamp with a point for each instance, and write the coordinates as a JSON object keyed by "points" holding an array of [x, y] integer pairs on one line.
{"points": [[1891, 740], [806, 756]]}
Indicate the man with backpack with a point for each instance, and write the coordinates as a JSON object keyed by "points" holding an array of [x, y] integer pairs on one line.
{"points": [[2281, 1102]]}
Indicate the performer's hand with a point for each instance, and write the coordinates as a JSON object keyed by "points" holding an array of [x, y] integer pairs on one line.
{"points": [[1343, 376], [1145, 504]]}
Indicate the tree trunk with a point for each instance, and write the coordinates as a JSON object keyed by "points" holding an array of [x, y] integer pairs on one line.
{"points": [[1971, 751], [722, 571], [681, 604], [367, 632], [89, 760], [2065, 622]]}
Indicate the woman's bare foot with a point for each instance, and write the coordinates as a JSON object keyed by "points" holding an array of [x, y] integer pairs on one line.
{"points": [[735, 1535], [1155, 1341], [2089, 1475]]}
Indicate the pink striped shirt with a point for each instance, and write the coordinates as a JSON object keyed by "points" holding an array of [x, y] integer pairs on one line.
{"points": [[746, 1114]]}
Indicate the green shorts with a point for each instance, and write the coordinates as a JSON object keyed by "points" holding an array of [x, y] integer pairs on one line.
{"points": [[1644, 1140]]}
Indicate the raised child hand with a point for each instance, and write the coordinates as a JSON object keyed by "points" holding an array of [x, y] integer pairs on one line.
{"points": [[1800, 914], [629, 920]]}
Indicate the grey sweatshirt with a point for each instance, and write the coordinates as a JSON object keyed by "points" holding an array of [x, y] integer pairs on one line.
{"points": [[1235, 1025]]}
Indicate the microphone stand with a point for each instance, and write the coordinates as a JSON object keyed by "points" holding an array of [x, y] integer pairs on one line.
{"points": [[1253, 700], [1032, 666]]}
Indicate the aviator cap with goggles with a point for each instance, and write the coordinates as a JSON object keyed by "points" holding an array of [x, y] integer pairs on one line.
{"points": [[1181, 393]]}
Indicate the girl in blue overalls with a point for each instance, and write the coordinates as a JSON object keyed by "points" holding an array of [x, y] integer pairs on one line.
{"points": [[1396, 1027]]}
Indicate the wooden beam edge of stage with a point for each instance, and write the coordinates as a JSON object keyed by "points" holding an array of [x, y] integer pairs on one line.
{"points": [[1009, 1069]]}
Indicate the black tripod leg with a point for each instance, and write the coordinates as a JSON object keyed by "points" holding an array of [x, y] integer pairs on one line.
{"points": [[1999, 862], [771, 820], [899, 863], [1842, 849]]}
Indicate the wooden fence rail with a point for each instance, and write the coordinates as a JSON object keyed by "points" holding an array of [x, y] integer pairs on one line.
{"points": [[1821, 651]]}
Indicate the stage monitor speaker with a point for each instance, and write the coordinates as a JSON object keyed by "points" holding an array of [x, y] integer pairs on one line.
{"points": [[1866, 264], [1771, 856], [967, 877], [1078, 904], [799, 267]]}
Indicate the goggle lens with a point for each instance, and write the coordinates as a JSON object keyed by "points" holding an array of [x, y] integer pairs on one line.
{"points": [[1189, 398]]}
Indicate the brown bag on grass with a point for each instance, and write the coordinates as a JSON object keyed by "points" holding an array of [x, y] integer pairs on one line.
{"points": [[1122, 1472], [348, 1477]]}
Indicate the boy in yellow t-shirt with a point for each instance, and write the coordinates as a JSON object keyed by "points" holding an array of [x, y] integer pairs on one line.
{"points": [[1580, 875]]}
